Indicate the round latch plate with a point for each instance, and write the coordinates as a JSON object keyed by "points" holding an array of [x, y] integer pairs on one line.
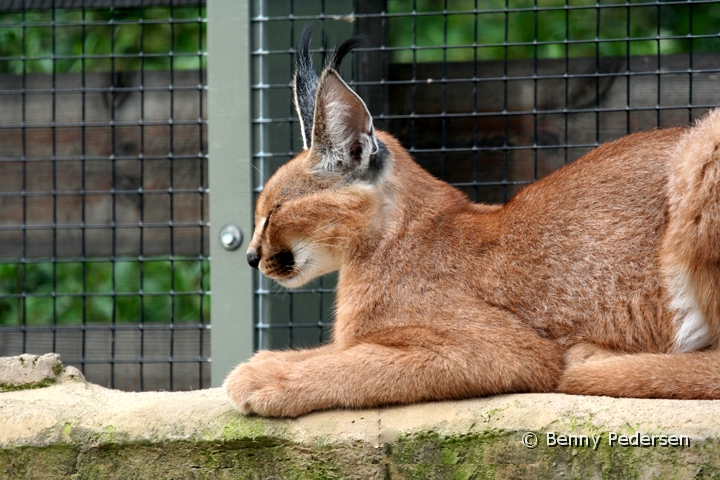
{"points": [[230, 237]]}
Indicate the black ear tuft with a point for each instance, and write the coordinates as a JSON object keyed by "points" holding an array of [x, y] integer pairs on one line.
{"points": [[303, 48], [305, 86], [336, 57]]}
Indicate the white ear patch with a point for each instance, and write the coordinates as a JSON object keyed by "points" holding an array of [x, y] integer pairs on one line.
{"points": [[343, 134]]}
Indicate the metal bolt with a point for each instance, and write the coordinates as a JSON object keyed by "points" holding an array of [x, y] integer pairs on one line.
{"points": [[230, 237]]}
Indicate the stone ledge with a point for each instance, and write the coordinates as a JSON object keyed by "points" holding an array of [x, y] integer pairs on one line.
{"points": [[77, 430], [32, 371]]}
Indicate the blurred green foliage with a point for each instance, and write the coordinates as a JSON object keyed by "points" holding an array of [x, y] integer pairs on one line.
{"points": [[605, 28], [102, 40], [112, 290]]}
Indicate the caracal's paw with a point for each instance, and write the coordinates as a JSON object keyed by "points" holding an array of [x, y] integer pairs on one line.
{"points": [[262, 387]]}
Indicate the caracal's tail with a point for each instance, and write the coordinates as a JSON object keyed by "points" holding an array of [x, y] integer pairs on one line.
{"points": [[694, 375]]}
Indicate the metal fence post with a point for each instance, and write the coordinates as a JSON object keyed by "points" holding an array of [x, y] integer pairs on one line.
{"points": [[230, 153]]}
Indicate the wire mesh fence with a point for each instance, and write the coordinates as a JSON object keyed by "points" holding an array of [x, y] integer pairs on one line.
{"points": [[103, 190], [489, 96]]}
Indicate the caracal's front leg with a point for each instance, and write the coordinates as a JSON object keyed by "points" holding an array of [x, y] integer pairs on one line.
{"points": [[405, 365], [266, 367]]}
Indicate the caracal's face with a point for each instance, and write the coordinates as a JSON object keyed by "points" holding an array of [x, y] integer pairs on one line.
{"points": [[317, 208], [304, 220], [289, 243]]}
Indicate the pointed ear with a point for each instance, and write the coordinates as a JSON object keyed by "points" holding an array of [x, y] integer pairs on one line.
{"points": [[304, 86], [343, 137]]}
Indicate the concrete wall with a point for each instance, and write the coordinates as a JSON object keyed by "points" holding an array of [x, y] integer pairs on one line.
{"points": [[73, 429]]}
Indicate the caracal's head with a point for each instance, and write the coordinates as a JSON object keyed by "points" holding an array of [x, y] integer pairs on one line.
{"points": [[314, 211]]}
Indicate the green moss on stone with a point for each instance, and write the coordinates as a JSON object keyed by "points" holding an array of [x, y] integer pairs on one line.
{"points": [[240, 427], [432, 455], [109, 435], [10, 387], [426, 455], [501, 454], [257, 448], [227, 460], [56, 461]]}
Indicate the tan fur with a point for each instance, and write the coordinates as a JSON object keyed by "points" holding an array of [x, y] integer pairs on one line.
{"points": [[441, 298]]}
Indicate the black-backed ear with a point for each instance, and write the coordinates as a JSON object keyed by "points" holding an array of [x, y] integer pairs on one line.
{"points": [[343, 137], [305, 85]]}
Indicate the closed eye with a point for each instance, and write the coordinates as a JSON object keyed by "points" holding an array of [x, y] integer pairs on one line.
{"points": [[267, 219]]}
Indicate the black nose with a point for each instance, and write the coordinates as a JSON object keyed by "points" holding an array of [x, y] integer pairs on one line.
{"points": [[253, 258]]}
